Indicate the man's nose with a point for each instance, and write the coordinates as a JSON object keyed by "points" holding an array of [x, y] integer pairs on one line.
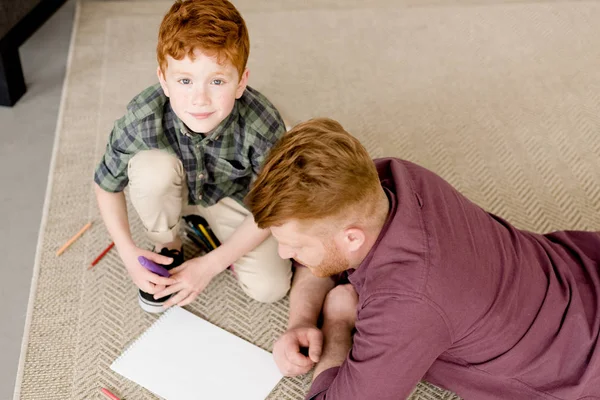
{"points": [[285, 252]]}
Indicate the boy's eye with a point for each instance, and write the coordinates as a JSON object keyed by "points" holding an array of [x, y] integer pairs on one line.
{"points": [[185, 81], [217, 82]]}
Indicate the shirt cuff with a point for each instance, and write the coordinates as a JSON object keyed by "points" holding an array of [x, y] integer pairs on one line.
{"points": [[109, 185], [322, 383]]}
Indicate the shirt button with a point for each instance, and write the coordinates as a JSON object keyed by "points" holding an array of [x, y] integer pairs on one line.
{"points": [[200, 176]]}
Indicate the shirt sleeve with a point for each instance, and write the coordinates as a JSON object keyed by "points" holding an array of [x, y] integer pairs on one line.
{"points": [[397, 339], [123, 143], [263, 143]]}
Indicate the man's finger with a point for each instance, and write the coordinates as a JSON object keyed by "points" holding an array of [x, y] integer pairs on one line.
{"points": [[294, 357], [315, 345]]}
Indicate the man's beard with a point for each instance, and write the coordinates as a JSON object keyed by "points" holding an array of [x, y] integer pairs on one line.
{"points": [[333, 263]]}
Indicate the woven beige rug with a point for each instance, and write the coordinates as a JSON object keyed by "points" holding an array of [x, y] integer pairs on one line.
{"points": [[500, 98]]}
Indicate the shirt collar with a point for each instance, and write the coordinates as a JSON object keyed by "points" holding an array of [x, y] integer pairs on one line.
{"points": [[358, 276]]}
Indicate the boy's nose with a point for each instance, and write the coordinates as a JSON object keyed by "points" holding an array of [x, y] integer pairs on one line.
{"points": [[200, 97]]}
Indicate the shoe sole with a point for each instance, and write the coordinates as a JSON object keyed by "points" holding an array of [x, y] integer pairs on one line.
{"points": [[150, 306]]}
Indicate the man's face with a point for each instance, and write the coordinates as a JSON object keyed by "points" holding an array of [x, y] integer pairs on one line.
{"points": [[202, 91], [320, 255]]}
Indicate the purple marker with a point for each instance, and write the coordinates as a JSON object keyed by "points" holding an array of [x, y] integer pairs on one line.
{"points": [[154, 267]]}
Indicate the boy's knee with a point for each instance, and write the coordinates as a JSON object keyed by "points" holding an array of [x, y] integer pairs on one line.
{"points": [[268, 291], [154, 172]]}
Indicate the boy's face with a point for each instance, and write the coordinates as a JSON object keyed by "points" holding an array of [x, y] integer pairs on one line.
{"points": [[202, 92]]}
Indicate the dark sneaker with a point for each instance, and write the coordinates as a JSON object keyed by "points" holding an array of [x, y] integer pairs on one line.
{"points": [[147, 300]]}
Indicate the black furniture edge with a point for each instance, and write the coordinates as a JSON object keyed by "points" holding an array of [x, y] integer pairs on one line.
{"points": [[12, 82]]}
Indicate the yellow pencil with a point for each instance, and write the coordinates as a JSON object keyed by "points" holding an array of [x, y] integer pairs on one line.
{"points": [[73, 239], [205, 233]]}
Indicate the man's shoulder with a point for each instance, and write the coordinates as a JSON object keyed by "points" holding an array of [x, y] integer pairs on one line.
{"points": [[392, 170], [403, 172], [259, 115], [394, 163], [149, 103]]}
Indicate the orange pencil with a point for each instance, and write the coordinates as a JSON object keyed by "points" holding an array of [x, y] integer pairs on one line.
{"points": [[108, 394], [97, 259], [73, 239]]}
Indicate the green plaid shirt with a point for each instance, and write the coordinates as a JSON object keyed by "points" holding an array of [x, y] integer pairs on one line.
{"points": [[222, 164]]}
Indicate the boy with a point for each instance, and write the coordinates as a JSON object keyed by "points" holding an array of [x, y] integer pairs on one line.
{"points": [[191, 145]]}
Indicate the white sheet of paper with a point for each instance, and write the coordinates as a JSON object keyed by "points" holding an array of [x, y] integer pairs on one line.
{"points": [[183, 357]]}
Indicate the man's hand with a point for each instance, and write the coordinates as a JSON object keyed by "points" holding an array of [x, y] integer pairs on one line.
{"points": [[147, 281], [190, 278], [287, 355], [340, 306]]}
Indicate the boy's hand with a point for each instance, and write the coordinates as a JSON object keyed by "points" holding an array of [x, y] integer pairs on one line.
{"points": [[147, 281], [287, 355], [190, 278]]}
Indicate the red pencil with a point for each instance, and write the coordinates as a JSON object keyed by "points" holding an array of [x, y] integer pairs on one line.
{"points": [[106, 250], [108, 394]]}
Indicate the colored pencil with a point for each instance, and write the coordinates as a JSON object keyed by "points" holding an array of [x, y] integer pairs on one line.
{"points": [[73, 239], [108, 394], [97, 259], [205, 233]]}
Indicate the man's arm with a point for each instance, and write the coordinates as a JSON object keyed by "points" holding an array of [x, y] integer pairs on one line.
{"points": [[306, 300], [339, 318], [397, 339], [337, 344], [306, 297]]}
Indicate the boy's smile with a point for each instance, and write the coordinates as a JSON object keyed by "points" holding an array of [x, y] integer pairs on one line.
{"points": [[202, 92], [201, 115]]}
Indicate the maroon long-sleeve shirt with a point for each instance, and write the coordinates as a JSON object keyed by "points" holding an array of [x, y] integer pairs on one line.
{"points": [[459, 297]]}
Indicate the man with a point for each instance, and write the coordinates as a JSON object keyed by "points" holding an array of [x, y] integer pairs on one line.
{"points": [[439, 289]]}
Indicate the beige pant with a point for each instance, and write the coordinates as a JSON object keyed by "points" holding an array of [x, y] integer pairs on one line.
{"points": [[158, 192]]}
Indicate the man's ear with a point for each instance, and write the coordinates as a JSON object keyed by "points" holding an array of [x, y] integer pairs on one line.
{"points": [[161, 79], [242, 84], [353, 239]]}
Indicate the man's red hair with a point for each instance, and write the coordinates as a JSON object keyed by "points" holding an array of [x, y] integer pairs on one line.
{"points": [[315, 171]]}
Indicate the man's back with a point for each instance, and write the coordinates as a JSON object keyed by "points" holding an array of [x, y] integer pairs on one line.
{"points": [[519, 310]]}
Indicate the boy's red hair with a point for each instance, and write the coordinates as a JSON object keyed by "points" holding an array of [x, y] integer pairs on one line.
{"points": [[213, 26]]}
